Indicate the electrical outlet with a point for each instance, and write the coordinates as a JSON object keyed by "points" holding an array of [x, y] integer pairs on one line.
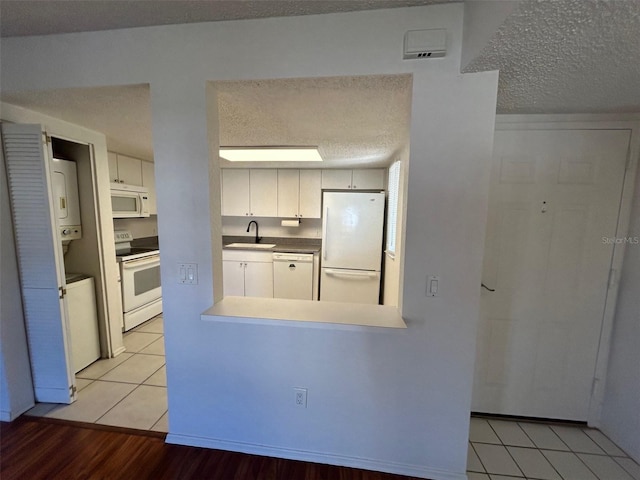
{"points": [[300, 397]]}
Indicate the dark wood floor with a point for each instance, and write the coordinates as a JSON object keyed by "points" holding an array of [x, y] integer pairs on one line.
{"points": [[35, 448]]}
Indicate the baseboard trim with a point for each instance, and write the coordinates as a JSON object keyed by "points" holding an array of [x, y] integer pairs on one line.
{"points": [[317, 457], [11, 415]]}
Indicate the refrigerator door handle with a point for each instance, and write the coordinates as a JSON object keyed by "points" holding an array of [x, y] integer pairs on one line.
{"points": [[350, 273], [324, 234]]}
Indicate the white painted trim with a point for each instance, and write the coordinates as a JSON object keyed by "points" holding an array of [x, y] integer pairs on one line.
{"points": [[624, 222], [596, 122], [567, 118], [119, 350], [317, 457], [11, 415]]}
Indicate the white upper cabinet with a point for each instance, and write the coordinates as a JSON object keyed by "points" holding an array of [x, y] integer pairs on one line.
{"points": [[310, 198], [299, 193], [250, 192], [359, 179], [235, 192], [149, 181], [263, 191], [288, 192], [123, 169], [368, 179], [336, 179], [113, 167]]}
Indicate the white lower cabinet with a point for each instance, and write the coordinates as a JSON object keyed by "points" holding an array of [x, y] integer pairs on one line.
{"points": [[258, 279], [247, 273]]}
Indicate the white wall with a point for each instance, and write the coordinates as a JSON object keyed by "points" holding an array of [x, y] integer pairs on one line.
{"points": [[395, 401], [621, 409], [16, 387], [272, 227], [482, 19], [139, 227]]}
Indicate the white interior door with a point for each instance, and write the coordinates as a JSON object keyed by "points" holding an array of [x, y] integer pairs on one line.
{"points": [[554, 198], [40, 262]]}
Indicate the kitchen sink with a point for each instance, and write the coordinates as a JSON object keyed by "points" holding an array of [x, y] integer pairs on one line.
{"points": [[252, 246]]}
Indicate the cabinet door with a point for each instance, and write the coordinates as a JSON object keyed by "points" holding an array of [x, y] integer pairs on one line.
{"points": [[310, 194], [233, 278], [368, 179], [129, 170], [336, 179], [113, 167], [235, 192], [288, 192], [149, 181], [264, 192], [258, 279]]}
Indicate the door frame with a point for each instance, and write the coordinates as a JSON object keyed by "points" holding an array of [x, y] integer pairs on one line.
{"points": [[629, 122]]}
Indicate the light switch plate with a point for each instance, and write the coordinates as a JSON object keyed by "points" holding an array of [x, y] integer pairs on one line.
{"points": [[188, 273], [433, 286]]}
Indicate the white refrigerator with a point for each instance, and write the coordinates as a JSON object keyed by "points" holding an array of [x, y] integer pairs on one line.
{"points": [[352, 226]]}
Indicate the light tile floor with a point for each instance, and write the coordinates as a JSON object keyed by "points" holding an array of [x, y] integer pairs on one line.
{"points": [[507, 450], [129, 390]]}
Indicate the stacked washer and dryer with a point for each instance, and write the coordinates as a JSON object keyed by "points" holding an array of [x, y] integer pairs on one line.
{"points": [[81, 296]]}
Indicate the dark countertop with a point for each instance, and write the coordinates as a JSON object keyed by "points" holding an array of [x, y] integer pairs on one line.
{"points": [[282, 244]]}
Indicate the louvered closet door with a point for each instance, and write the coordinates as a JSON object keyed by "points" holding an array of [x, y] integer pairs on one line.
{"points": [[40, 261]]}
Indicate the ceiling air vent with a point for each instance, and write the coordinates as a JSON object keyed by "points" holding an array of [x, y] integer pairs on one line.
{"points": [[425, 43]]}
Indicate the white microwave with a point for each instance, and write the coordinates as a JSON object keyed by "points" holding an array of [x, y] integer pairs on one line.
{"points": [[129, 201]]}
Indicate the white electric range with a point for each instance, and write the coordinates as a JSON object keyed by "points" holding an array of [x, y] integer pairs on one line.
{"points": [[140, 280]]}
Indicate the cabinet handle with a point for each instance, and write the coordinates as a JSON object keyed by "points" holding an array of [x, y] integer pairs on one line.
{"points": [[355, 186], [246, 213], [324, 233], [251, 214]]}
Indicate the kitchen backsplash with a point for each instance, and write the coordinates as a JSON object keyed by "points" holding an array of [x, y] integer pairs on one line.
{"points": [[271, 227], [139, 227]]}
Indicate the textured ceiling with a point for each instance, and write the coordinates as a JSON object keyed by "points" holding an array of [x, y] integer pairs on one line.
{"points": [[567, 56], [353, 120], [554, 56], [33, 17], [123, 114]]}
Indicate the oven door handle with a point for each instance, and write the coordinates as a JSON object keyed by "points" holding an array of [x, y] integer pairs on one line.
{"points": [[131, 264]]}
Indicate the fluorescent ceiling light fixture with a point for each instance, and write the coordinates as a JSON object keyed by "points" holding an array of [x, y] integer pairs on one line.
{"points": [[270, 154]]}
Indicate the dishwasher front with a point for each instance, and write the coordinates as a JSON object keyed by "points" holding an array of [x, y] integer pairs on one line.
{"points": [[293, 275]]}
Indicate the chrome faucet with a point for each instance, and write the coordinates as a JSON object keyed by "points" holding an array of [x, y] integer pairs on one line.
{"points": [[249, 228]]}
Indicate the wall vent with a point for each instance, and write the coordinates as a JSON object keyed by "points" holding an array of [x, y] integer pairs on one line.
{"points": [[425, 43]]}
